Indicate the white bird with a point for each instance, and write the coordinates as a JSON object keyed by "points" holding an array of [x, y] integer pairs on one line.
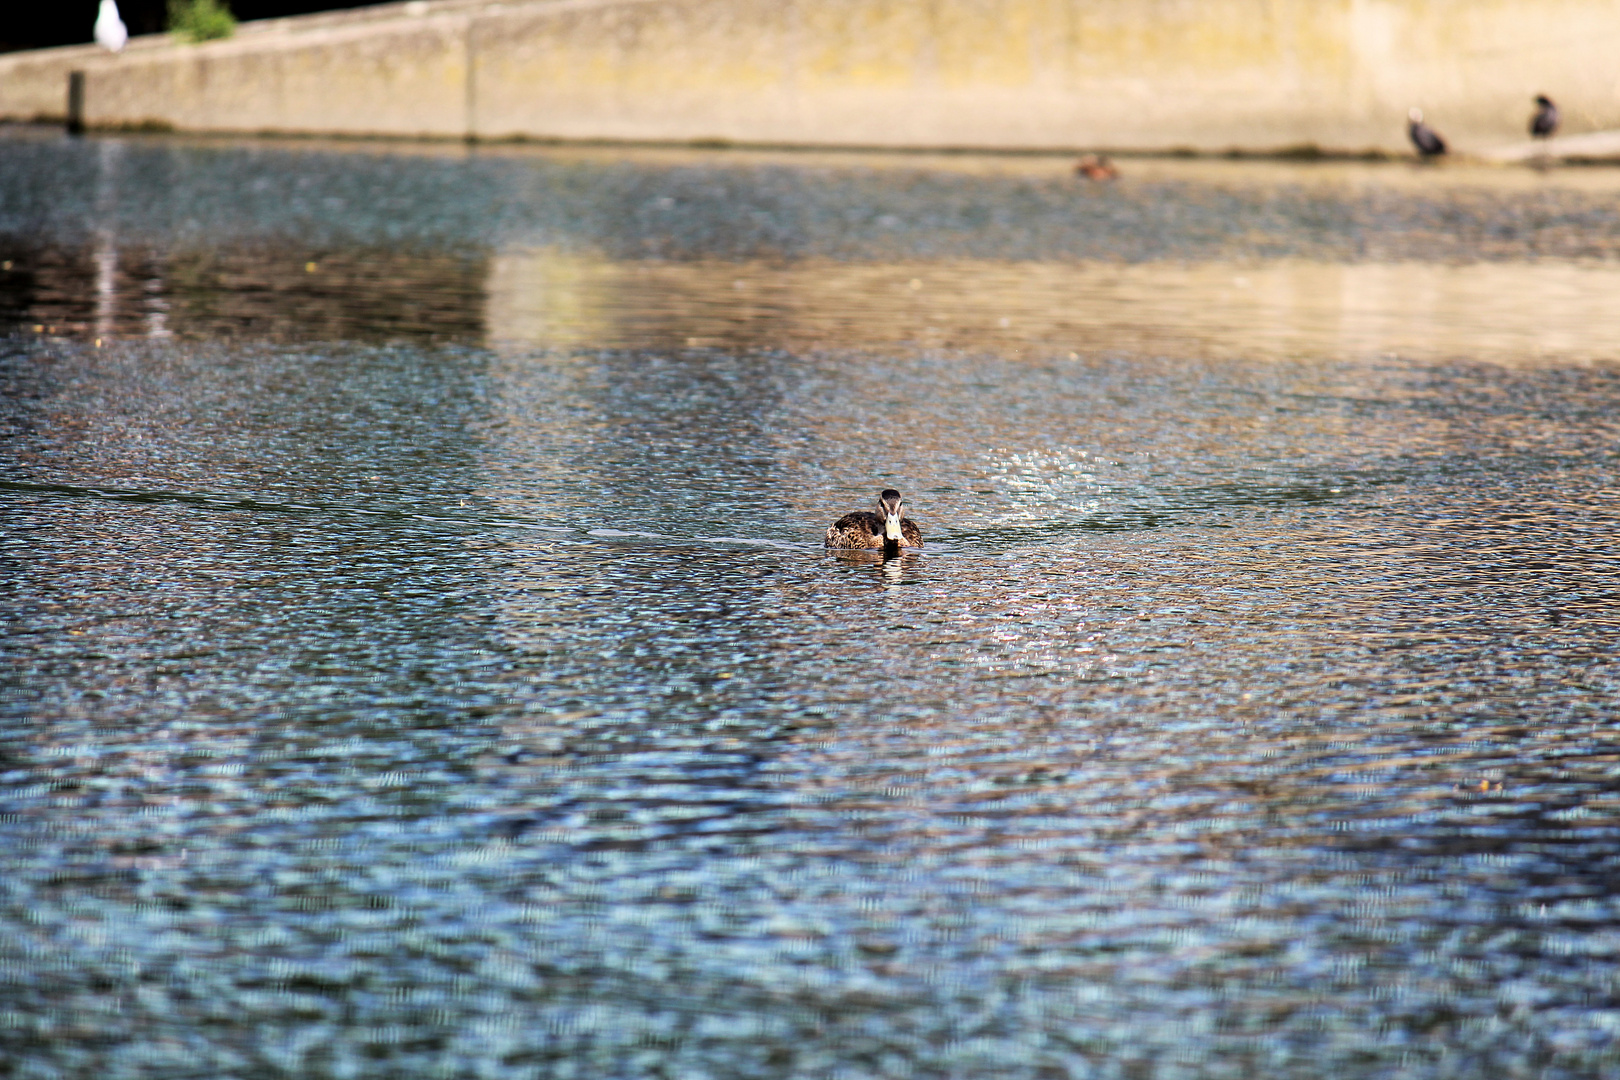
{"points": [[111, 33]]}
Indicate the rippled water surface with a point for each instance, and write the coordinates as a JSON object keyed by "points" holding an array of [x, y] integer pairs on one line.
{"points": [[421, 659]]}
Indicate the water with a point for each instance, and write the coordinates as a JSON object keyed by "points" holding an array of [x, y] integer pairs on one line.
{"points": [[420, 656]]}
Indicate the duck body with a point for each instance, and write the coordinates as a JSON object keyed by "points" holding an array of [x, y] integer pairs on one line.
{"points": [[864, 529], [1545, 121], [1096, 167], [886, 528], [1425, 138]]}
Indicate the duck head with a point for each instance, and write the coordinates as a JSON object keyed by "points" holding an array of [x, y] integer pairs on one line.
{"points": [[889, 509]]}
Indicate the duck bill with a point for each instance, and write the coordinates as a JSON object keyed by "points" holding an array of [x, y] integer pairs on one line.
{"points": [[891, 528]]}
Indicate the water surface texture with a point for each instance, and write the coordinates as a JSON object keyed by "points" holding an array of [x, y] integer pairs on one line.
{"points": [[421, 659]]}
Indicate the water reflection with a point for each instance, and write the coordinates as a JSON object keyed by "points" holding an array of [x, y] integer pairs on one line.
{"points": [[891, 570], [301, 241], [259, 293], [1505, 312], [1501, 312]]}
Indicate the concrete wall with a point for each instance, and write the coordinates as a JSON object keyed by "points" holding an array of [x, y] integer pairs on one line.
{"points": [[1209, 75]]}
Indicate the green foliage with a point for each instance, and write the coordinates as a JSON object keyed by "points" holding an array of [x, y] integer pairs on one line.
{"points": [[201, 20]]}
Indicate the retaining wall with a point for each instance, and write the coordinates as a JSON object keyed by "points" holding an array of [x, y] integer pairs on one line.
{"points": [[1149, 75]]}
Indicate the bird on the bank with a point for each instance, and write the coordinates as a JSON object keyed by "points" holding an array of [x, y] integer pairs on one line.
{"points": [[888, 529], [1425, 138], [1545, 122], [1096, 167], [110, 32]]}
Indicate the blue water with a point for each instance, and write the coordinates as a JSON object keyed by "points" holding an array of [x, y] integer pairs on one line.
{"points": [[420, 658]]}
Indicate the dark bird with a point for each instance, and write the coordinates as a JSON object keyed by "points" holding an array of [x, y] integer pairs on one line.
{"points": [[1096, 167], [886, 529], [1425, 138], [1545, 122]]}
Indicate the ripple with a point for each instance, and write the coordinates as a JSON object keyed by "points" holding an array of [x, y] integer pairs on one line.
{"points": [[397, 698]]}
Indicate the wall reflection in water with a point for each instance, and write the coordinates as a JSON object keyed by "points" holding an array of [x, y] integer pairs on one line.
{"points": [[1508, 312], [1505, 312], [263, 292]]}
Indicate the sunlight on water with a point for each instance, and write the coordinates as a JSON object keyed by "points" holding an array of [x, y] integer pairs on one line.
{"points": [[423, 658], [1503, 312]]}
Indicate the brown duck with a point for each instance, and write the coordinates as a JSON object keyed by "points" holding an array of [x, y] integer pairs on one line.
{"points": [[886, 529], [1096, 167]]}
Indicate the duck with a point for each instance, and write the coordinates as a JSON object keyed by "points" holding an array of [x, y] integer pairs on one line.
{"points": [[1096, 167], [1425, 138], [886, 529], [1545, 122]]}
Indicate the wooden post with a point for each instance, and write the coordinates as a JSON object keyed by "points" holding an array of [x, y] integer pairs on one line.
{"points": [[75, 103]]}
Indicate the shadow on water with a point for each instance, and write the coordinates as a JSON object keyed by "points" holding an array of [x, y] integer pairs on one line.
{"points": [[259, 293]]}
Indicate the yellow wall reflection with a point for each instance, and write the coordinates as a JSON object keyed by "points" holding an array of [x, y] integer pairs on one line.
{"points": [[1505, 312]]}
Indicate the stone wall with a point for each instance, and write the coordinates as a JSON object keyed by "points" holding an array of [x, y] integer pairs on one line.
{"points": [[1151, 75]]}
